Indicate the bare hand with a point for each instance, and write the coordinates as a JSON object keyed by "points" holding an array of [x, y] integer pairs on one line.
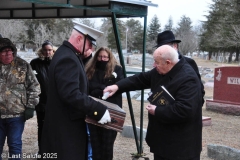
{"points": [[111, 89], [151, 109]]}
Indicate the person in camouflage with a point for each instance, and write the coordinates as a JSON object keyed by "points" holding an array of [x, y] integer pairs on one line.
{"points": [[19, 90]]}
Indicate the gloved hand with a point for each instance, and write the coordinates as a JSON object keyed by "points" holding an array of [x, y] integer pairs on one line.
{"points": [[105, 118], [28, 113]]}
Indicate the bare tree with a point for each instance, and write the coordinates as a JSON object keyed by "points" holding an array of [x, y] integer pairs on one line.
{"points": [[186, 34], [11, 29], [41, 33]]}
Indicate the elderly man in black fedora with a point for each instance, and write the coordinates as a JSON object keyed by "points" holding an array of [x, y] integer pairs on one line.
{"points": [[167, 38], [174, 130]]}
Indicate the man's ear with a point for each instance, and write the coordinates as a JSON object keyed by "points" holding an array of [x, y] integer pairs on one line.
{"points": [[168, 62], [78, 39]]}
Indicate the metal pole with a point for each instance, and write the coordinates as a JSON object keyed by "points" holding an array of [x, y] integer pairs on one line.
{"points": [[116, 32], [126, 39]]}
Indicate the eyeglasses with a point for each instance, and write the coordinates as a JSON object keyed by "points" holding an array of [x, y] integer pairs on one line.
{"points": [[103, 57], [6, 52]]}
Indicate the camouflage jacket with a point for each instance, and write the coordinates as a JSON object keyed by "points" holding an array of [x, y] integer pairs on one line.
{"points": [[19, 88]]}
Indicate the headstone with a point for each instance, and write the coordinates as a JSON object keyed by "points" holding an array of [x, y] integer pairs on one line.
{"points": [[149, 61], [125, 59], [221, 152], [226, 92], [132, 93], [128, 132], [129, 61]]}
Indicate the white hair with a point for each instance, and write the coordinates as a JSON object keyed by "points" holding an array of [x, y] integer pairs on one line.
{"points": [[168, 53]]}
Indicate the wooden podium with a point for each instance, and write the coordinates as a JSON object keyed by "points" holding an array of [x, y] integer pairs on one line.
{"points": [[117, 115]]}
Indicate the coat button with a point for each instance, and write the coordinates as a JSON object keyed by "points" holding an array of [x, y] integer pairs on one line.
{"points": [[95, 113]]}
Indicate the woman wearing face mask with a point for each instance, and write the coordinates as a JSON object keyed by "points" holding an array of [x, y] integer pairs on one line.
{"points": [[103, 70], [40, 67]]}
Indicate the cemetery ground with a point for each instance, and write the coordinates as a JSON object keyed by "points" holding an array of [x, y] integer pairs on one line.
{"points": [[225, 129]]}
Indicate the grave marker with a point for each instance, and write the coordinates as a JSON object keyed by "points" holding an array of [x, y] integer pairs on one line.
{"points": [[226, 93]]}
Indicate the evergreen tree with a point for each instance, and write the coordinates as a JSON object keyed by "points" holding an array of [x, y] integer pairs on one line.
{"points": [[134, 35], [169, 25], [111, 37], [152, 31], [106, 24], [221, 30]]}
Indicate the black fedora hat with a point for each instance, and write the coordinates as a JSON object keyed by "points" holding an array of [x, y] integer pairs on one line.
{"points": [[166, 37]]}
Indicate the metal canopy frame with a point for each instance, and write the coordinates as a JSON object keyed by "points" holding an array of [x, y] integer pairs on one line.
{"points": [[42, 9], [36, 9]]}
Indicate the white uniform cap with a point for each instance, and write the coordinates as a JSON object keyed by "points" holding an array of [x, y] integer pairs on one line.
{"points": [[91, 33]]}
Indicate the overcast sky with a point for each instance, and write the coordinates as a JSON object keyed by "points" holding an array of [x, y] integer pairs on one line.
{"points": [[194, 9]]}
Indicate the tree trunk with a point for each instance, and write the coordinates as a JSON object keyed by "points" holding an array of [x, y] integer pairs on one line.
{"points": [[230, 57], [209, 55], [237, 55]]}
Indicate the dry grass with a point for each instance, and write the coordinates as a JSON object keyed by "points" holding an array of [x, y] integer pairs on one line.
{"points": [[225, 129]]}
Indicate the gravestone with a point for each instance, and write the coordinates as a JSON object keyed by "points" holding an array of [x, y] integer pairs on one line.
{"points": [[149, 62], [226, 93]]}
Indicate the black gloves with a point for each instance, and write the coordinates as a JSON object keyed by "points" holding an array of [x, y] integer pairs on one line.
{"points": [[28, 113]]}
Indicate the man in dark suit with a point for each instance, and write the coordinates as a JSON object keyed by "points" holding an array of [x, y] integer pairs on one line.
{"points": [[174, 130], [64, 133], [167, 37]]}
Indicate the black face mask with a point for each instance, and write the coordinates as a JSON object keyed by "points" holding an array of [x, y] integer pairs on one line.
{"points": [[101, 65], [47, 58]]}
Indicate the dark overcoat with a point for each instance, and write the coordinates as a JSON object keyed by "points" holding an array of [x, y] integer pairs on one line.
{"points": [[64, 131], [195, 67], [41, 67], [98, 83], [175, 131], [102, 140]]}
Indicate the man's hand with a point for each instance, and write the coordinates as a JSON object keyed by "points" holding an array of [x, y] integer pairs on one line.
{"points": [[151, 109], [111, 89], [28, 113], [105, 118]]}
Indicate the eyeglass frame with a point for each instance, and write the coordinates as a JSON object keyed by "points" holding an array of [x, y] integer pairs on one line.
{"points": [[6, 52], [103, 57]]}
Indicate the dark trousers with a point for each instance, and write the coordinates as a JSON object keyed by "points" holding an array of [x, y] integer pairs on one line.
{"points": [[102, 141], [157, 157], [40, 121]]}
